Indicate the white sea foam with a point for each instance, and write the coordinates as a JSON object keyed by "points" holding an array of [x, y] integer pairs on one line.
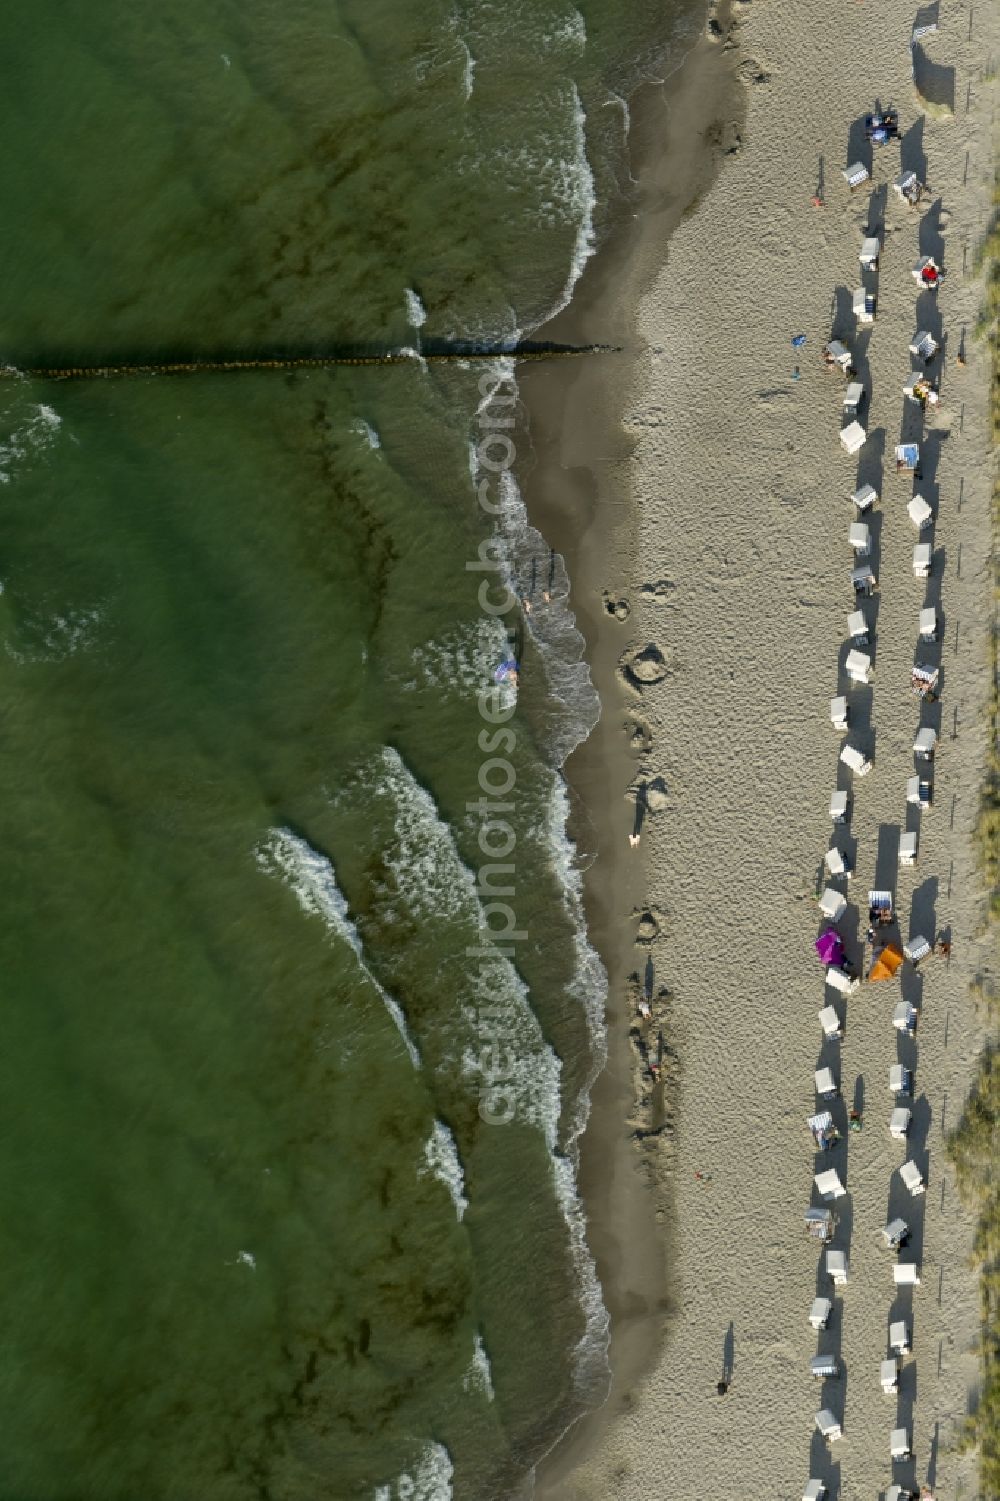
{"points": [[365, 430], [589, 984], [479, 1376], [617, 101], [34, 430], [442, 1160], [570, 33], [581, 196], [414, 354], [432, 882], [53, 638], [461, 660], [427, 1480], [416, 313], [469, 75], [533, 570], [312, 879]]}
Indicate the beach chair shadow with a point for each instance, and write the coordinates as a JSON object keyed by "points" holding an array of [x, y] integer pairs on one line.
{"points": [[930, 462], [923, 914], [905, 1470], [930, 240], [871, 461], [887, 857], [842, 318], [859, 147], [934, 82], [877, 200], [912, 156], [823, 1465], [927, 315]]}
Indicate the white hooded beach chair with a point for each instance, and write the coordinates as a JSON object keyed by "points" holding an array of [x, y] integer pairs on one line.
{"points": [[860, 538], [899, 1444], [829, 1185], [908, 187], [838, 807], [824, 1133], [855, 175], [839, 980], [900, 1493], [895, 1234], [853, 437], [830, 1022], [814, 1490], [863, 306], [824, 1366], [888, 1376], [916, 948], [832, 904], [819, 1224], [826, 1085], [908, 849], [854, 395], [906, 1274], [924, 744], [836, 1267], [904, 1017], [919, 512], [912, 1179], [836, 863], [899, 1337], [918, 793], [900, 1079], [828, 1425], [899, 1123], [924, 680], [857, 627], [927, 273], [924, 346], [907, 458], [819, 1313], [859, 666], [927, 624], [922, 555], [863, 580], [869, 253], [838, 711], [856, 760], [864, 498], [837, 353]]}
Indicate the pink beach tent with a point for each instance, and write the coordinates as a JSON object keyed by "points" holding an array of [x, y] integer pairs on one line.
{"points": [[830, 947]]}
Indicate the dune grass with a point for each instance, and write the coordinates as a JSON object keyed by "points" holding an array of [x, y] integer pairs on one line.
{"points": [[974, 1145]]}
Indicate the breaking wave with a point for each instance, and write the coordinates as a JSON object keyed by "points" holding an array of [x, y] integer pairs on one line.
{"points": [[312, 880]]}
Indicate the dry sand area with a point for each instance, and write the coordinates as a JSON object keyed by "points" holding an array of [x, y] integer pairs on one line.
{"points": [[741, 582]]}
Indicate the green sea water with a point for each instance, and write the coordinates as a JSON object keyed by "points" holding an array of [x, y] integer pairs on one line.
{"points": [[259, 1236]]}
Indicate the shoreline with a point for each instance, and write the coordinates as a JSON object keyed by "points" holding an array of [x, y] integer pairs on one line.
{"points": [[656, 508], [577, 422]]}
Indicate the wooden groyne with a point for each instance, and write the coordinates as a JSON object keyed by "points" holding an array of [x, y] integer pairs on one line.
{"points": [[125, 368]]}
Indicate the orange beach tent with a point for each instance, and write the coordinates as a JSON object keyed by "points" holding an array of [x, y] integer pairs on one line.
{"points": [[887, 963]]}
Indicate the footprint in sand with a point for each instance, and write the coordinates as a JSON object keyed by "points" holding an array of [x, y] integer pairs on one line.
{"points": [[643, 667], [615, 605], [658, 593], [640, 736]]}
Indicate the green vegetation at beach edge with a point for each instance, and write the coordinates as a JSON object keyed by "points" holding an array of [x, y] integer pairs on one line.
{"points": [[974, 1142]]}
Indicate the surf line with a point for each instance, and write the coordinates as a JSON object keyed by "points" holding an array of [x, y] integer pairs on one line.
{"points": [[122, 369]]}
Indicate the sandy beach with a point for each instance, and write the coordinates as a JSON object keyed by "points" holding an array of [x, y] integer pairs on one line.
{"points": [[718, 512]]}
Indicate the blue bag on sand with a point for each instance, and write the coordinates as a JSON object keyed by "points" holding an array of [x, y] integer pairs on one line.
{"points": [[798, 340]]}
